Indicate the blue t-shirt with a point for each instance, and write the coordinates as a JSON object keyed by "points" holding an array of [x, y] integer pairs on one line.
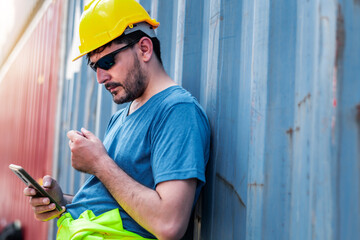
{"points": [[168, 138]]}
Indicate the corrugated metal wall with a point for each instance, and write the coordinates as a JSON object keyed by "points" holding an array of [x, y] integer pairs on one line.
{"points": [[28, 97], [280, 82], [17, 19]]}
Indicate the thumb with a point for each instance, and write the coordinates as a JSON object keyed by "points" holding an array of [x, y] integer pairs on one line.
{"points": [[47, 181], [87, 133]]}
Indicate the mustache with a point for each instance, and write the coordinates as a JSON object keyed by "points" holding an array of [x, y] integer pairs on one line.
{"points": [[112, 85]]}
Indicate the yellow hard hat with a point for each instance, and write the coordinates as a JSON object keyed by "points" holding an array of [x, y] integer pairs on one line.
{"points": [[104, 20]]}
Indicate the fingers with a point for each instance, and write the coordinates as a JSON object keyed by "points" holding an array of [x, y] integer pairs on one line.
{"points": [[39, 201], [48, 215], [79, 133], [86, 133], [29, 192], [74, 135], [41, 206], [44, 208]]}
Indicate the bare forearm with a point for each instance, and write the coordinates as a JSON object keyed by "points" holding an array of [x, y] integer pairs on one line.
{"points": [[130, 194], [148, 207]]}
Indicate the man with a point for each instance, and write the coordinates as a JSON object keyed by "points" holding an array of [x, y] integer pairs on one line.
{"points": [[148, 172]]}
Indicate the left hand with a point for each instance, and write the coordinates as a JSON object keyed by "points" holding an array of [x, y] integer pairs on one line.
{"points": [[43, 209], [87, 151]]}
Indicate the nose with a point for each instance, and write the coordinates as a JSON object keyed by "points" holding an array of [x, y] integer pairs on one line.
{"points": [[102, 76]]}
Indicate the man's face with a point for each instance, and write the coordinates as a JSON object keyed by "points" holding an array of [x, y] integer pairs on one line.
{"points": [[126, 79]]}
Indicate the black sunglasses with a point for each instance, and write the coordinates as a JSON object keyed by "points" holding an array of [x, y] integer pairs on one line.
{"points": [[107, 61]]}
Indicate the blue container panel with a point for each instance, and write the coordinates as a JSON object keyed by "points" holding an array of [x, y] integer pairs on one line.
{"points": [[280, 83]]}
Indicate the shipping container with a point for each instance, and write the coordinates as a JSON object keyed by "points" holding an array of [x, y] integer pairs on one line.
{"points": [[279, 81], [14, 20], [28, 99]]}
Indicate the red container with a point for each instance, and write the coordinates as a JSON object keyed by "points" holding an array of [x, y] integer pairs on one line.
{"points": [[28, 95]]}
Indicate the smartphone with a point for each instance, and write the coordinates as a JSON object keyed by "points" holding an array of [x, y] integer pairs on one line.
{"points": [[30, 182]]}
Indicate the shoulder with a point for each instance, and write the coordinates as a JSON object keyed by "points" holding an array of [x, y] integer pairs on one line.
{"points": [[179, 106], [177, 95]]}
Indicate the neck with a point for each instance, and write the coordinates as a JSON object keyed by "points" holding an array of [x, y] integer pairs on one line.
{"points": [[158, 80]]}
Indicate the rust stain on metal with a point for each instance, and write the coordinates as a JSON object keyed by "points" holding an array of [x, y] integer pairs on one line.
{"points": [[307, 97], [358, 125], [340, 35], [337, 74], [358, 113], [231, 186], [290, 131], [255, 184]]}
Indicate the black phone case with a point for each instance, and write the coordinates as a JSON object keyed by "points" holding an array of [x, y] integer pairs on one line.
{"points": [[29, 181]]}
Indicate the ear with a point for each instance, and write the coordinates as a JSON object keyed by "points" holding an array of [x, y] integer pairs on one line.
{"points": [[146, 49]]}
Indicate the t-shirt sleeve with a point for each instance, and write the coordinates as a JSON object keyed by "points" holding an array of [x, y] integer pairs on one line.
{"points": [[180, 144]]}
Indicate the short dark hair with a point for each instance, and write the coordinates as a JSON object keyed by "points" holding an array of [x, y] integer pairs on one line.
{"points": [[129, 38]]}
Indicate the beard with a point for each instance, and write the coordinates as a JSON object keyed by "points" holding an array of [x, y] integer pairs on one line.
{"points": [[134, 85]]}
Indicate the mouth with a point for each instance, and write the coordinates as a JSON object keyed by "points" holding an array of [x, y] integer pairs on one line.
{"points": [[111, 87]]}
